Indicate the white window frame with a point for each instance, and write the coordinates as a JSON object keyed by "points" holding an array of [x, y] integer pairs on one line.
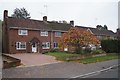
{"points": [[22, 32], [58, 34], [19, 45], [44, 33], [56, 45], [47, 45]]}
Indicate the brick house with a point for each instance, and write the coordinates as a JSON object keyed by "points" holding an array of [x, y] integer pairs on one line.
{"points": [[100, 33], [37, 36], [28, 35]]}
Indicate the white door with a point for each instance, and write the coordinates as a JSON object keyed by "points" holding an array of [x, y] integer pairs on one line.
{"points": [[34, 47]]}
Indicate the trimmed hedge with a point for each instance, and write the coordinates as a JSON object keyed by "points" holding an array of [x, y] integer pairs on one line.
{"points": [[111, 46]]}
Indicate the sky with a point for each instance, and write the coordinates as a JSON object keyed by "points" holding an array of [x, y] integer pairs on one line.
{"points": [[88, 13]]}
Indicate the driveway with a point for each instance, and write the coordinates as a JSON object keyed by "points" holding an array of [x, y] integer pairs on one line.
{"points": [[34, 59]]}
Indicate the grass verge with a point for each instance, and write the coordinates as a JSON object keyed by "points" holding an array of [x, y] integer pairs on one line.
{"points": [[62, 56], [99, 58]]}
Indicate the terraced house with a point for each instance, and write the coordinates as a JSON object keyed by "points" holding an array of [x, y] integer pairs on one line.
{"points": [[37, 36], [100, 33], [28, 35]]}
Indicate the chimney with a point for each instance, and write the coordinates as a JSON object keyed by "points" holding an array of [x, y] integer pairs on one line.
{"points": [[5, 14], [72, 23], [45, 18]]}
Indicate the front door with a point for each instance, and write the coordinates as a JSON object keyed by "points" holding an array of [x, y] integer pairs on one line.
{"points": [[34, 47]]}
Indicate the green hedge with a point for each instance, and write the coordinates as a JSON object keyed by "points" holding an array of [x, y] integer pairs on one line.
{"points": [[111, 46]]}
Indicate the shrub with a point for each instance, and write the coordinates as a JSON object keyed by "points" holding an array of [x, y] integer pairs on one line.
{"points": [[87, 50], [54, 50], [78, 50], [97, 51], [111, 46]]}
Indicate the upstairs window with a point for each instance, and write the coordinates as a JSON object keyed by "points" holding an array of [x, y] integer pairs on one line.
{"points": [[58, 34], [22, 32], [44, 33], [20, 45]]}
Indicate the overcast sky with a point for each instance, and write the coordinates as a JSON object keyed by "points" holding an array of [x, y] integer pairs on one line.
{"points": [[87, 13]]}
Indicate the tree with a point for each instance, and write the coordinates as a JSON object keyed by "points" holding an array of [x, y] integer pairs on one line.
{"points": [[21, 13], [77, 37]]}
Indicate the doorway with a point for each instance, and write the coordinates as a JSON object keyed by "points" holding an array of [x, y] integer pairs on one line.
{"points": [[34, 47]]}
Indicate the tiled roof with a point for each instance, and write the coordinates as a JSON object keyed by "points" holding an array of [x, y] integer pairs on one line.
{"points": [[97, 31], [59, 26], [34, 39], [36, 24], [26, 23]]}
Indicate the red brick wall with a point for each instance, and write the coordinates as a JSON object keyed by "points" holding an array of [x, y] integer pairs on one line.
{"points": [[14, 37], [56, 39], [5, 38]]}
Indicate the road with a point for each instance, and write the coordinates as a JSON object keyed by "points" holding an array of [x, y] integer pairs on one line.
{"points": [[58, 70], [111, 73]]}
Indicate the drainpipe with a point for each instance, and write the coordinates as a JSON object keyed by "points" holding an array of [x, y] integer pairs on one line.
{"points": [[38, 47], [51, 39]]}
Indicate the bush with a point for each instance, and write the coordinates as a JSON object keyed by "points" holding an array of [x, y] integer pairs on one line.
{"points": [[54, 50], [78, 50], [111, 46], [87, 50], [97, 51]]}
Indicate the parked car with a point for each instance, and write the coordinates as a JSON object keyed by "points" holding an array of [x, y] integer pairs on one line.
{"points": [[92, 46]]}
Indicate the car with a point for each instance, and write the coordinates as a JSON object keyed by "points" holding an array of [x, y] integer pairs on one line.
{"points": [[92, 46]]}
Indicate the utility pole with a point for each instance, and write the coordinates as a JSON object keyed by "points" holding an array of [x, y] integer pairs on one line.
{"points": [[96, 21]]}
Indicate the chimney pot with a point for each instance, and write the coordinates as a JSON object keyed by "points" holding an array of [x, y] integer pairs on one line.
{"points": [[45, 18], [5, 14], [72, 23]]}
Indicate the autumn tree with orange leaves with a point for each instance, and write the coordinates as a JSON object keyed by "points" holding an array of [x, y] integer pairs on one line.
{"points": [[77, 37]]}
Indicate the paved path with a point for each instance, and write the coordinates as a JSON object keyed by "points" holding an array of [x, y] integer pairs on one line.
{"points": [[58, 70], [34, 59]]}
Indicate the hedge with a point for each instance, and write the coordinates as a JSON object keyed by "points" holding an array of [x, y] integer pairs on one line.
{"points": [[111, 46]]}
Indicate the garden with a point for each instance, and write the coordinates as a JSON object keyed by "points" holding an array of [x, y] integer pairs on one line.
{"points": [[84, 58], [82, 46]]}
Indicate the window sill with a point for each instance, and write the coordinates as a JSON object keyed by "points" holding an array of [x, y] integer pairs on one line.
{"points": [[45, 48], [22, 35], [21, 49], [44, 35]]}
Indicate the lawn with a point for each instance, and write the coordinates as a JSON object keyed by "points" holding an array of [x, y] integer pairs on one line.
{"points": [[63, 56]]}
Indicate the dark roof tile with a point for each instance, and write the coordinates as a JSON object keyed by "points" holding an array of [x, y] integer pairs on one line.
{"points": [[36, 24], [59, 26], [99, 31]]}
